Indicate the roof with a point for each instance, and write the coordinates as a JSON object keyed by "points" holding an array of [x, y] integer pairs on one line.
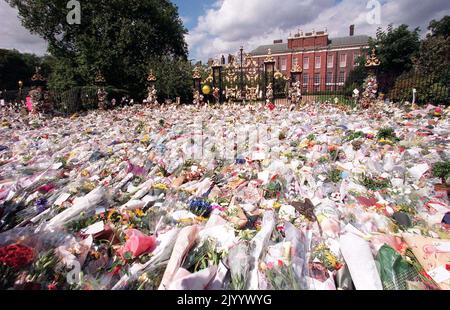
{"points": [[275, 48], [349, 41], [279, 48]]}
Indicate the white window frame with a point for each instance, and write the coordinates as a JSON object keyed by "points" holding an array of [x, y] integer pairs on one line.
{"points": [[305, 77], [341, 78], [317, 65], [283, 64], [343, 64], [306, 63], [330, 63], [317, 74], [329, 74]]}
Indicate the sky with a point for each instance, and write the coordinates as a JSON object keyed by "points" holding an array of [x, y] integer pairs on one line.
{"points": [[221, 26]]}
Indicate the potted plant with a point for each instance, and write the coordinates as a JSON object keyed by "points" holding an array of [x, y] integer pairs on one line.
{"points": [[442, 170]]}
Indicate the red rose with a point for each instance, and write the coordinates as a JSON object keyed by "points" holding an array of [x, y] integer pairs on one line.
{"points": [[271, 106], [16, 255]]}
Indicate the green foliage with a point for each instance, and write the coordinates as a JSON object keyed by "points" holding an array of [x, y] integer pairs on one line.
{"points": [[387, 133], [442, 170], [353, 135], [429, 88], [434, 54], [174, 78], [273, 189], [7, 276], [334, 175], [119, 37], [395, 48], [374, 184], [203, 256], [440, 27], [311, 137], [282, 277], [357, 76], [16, 66], [83, 222]]}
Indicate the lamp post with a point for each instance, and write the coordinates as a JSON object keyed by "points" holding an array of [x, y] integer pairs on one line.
{"points": [[372, 63], [242, 71], [217, 81], [269, 71], [100, 82], [151, 82], [20, 89], [39, 94], [197, 79]]}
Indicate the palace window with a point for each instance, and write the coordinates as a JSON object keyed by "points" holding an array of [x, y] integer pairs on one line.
{"points": [[318, 62], [294, 61], [329, 77], [305, 79], [330, 61], [341, 79], [343, 62], [283, 64], [316, 78], [306, 63]]}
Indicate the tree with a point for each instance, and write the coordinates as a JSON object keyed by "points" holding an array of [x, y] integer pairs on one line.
{"points": [[395, 48], [15, 67], [118, 37], [440, 28], [434, 57], [357, 76], [174, 78]]}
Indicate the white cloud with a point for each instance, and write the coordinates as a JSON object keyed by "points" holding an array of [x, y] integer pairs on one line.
{"points": [[14, 36], [232, 23]]}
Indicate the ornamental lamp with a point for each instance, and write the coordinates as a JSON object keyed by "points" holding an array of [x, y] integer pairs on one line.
{"points": [[296, 72], [151, 78], [372, 63], [197, 78]]}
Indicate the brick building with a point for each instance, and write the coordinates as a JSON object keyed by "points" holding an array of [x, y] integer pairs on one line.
{"points": [[326, 62]]}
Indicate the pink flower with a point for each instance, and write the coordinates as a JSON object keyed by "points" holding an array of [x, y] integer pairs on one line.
{"points": [[280, 263], [438, 110], [270, 265], [137, 243]]}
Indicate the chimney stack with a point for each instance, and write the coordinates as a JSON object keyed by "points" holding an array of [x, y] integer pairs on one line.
{"points": [[352, 30]]}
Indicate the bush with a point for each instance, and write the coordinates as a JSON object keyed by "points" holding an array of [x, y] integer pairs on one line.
{"points": [[429, 89], [442, 170]]}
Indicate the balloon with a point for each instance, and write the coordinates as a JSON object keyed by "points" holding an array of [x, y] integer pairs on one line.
{"points": [[206, 89]]}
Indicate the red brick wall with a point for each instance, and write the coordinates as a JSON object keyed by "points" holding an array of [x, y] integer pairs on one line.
{"points": [[336, 70], [305, 42]]}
